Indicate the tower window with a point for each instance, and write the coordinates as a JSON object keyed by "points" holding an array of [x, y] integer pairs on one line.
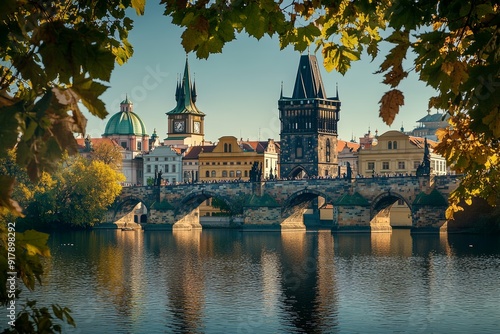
{"points": [[327, 151]]}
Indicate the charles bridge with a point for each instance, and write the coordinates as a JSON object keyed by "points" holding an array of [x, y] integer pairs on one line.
{"points": [[361, 204]]}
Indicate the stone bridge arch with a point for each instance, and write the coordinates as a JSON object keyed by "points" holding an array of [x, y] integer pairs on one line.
{"points": [[194, 199], [124, 210], [380, 209], [292, 210]]}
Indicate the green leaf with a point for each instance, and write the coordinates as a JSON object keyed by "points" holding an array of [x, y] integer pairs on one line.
{"points": [[89, 92], [100, 63], [255, 23]]}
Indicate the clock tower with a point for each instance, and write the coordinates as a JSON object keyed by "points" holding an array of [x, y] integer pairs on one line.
{"points": [[185, 121]]}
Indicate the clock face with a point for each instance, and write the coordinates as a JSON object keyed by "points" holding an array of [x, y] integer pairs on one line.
{"points": [[197, 127], [178, 126]]}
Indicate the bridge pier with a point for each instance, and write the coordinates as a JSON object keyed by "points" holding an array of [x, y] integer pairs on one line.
{"points": [[351, 219], [428, 219], [187, 221], [270, 219]]}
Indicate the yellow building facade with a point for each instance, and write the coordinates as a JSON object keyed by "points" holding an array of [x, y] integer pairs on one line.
{"points": [[232, 160]]}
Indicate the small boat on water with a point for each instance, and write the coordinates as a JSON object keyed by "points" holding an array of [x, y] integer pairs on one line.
{"points": [[127, 229]]}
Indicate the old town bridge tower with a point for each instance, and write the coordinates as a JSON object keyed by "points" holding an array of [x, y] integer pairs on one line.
{"points": [[308, 125]]}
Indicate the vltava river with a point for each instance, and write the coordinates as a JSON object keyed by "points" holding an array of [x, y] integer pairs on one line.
{"points": [[220, 281]]}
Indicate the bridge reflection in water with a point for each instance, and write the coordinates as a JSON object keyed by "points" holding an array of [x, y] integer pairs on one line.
{"points": [[216, 281], [356, 205]]}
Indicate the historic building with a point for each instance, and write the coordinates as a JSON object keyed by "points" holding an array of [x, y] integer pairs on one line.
{"points": [[428, 125], [348, 158], [308, 125], [397, 153], [165, 163], [268, 155], [186, 125], [227, 161], [128, 130], [190, 162]]}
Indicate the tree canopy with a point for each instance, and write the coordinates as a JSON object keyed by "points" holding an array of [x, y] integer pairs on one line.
{"points": [[55, 54]]}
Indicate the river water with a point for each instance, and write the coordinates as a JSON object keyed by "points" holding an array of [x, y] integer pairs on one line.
{"points": [[225, 281]]}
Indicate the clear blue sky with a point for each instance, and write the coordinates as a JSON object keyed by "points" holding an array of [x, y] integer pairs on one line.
{"points": [[239, 89]]}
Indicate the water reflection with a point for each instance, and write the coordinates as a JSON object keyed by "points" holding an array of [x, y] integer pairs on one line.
{"points": [[218, 281]]}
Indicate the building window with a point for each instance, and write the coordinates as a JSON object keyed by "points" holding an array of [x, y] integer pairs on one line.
{"points": [[156, 159], [148, 169], [401, 202], [207, 174], [327, 152], [238, 173], [213, 174], [174, 169], [166, 168], [139, 146], [416, 164], [395, 145], [371, 166], [246, 173], [385, 165], [389, 145], [401, 165], [267, 163], [124, 144], [147, 159], [326, 172], [224, 173], [298, 148], [231, 173]]}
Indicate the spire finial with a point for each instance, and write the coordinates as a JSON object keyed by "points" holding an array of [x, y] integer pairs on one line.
{"points": [[337, 90], [281, 94]]}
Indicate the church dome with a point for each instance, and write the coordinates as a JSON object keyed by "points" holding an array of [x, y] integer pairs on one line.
{"points": [[125, 122]]}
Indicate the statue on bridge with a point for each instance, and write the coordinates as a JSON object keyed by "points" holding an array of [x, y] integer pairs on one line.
{"points": [[424, 169], [255, 172], [158, 180]]}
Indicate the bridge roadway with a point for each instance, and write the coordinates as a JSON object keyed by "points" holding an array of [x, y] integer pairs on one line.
{"points": [[359, 205]]}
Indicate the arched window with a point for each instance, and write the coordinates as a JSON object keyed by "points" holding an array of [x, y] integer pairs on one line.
{"points": [[389, 145], [298, 148], [224, 173], [207, 174], [246, 173], [395, 145], [225, 147], [230, 148], [238, 173], [327, 151], [231, 173], [213, 174]]}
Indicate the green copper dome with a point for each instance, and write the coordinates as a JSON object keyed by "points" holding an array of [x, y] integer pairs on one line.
{"points": [[125, 123]]}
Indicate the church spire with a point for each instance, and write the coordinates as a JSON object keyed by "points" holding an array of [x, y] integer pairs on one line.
{"points": [[308, 83], [185, 95], [193, 92]]}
